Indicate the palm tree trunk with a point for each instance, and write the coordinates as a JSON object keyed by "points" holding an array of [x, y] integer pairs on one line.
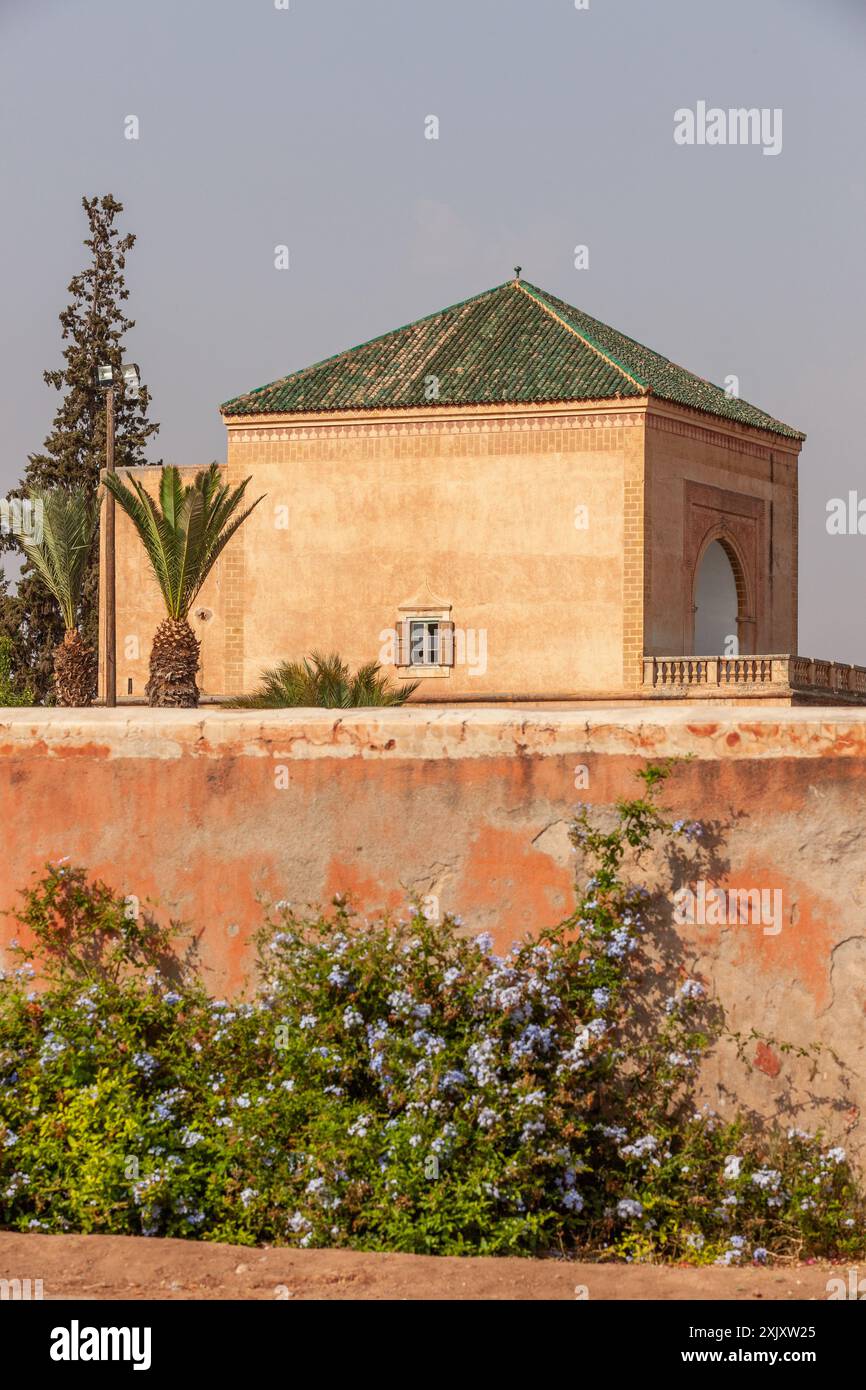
{"points": [[74, 670], [174, 660]]}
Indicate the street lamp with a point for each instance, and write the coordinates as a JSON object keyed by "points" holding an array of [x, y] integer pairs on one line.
{"points": [[105, 380], [131, 379]]}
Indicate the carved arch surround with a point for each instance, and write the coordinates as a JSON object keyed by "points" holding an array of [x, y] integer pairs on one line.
{"points": [[738, 523], [745, 604]]}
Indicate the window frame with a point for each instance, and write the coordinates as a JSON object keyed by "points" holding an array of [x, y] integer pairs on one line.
{"points": [[410, 614]]}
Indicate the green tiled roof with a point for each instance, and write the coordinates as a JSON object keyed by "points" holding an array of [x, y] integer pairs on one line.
{"points": [[514, 344]]}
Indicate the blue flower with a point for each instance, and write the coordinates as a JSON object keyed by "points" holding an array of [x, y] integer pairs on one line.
{"points": [[692, 989], [453, 1080], [534, 1039], [641, 1148], [399, 1001], [729, 1257], [767, 1179], [627, 1207]]}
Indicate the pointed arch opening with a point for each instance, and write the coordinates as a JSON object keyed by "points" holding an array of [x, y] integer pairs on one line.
{"points": [[722, 624]]}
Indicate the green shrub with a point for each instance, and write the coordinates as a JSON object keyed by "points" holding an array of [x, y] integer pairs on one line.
{"points": [[323, 682], [11, 692], [394, 1085]]}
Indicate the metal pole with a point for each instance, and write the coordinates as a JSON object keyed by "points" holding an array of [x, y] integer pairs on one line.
{"points": [[110, 608]]}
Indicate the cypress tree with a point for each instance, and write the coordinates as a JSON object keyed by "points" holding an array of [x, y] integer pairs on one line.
{"points": [[94, 325]]}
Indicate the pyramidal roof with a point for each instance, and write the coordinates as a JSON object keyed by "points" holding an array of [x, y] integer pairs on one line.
{"points": [[515, 345]]}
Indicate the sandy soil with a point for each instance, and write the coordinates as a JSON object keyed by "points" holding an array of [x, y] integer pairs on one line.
{"points": [[106, 1267]]}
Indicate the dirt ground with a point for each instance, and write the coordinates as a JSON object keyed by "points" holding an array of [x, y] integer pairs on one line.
{"points": [[106, 1267]]}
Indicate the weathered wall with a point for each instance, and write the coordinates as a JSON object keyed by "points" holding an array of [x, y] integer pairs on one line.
{"points": [[202, 811]]}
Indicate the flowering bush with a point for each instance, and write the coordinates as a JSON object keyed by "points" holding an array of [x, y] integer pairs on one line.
{"points": [[395, 1086]]}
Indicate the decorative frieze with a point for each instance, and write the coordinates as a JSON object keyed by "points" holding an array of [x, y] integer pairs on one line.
{"points": [[450, 425], [779, 448]]}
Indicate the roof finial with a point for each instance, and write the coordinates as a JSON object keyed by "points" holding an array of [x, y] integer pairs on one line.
{"points": [[517, 270]]}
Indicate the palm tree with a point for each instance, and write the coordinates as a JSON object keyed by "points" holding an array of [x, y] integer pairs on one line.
{"points": [[67, 520], [182, 536], [323, 682]]}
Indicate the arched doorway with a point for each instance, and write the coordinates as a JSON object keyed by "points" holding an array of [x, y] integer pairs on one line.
{"points": [[717, 604]]}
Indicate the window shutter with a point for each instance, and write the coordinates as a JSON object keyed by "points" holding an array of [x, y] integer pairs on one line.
{"points": [[446, 644], [400, 655]]}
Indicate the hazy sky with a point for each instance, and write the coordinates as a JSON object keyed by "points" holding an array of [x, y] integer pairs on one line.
{"points": [[305, 127]]}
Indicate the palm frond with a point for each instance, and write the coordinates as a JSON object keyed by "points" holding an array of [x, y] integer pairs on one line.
{"points": [[185, 531], [59, 556], [152, 529], [323, 682], [171, 495]]}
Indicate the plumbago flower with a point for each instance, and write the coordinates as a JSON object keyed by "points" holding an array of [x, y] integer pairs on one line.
{"points": [[394, 1085]]}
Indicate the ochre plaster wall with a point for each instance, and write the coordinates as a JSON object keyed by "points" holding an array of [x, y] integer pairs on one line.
{"points": [[202, 812]]}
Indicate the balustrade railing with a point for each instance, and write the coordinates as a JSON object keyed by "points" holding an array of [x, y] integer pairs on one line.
{"points": [[750, 675]]}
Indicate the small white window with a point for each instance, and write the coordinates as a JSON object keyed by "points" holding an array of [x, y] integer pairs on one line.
{"points": [[426, 643]]}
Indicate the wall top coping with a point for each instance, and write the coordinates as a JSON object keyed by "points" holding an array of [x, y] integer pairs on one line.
{"points": [[708, 732]]}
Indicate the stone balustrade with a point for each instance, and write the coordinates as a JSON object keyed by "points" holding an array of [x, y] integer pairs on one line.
{"points": [[796, 679]]}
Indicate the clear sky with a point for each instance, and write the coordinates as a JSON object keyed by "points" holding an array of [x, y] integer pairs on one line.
{"points": [[305, 127]]}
